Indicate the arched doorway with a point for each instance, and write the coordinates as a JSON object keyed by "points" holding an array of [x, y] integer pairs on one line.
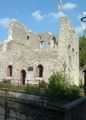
{"points": [[9, 71], [23, 76], [39, 71]]}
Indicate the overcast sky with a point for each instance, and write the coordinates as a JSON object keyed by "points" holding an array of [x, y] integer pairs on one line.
{"points": [[40, 15]]}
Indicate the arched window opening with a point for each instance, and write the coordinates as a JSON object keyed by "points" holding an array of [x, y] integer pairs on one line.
{"points": [[69, 46], [43, 44], [9, 71], [39, 71], [39, 37], [54, 42], [23, 77], [28, 37], [69, 59], [69, 49], [72, 49]]}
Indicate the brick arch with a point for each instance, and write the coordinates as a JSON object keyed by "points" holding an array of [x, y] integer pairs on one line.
{"points": [[54, 42], [39, 71], [9, 71], [23, 77]]}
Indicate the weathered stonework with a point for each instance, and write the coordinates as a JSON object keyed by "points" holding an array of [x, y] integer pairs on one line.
{"points": [[24, 49]]}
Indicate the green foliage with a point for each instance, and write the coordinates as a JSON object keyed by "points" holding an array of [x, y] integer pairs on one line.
{"points": [[81, 85], [58, 89], [82, 49], [42, 88], [42, 84], [31, 89], [11, 87]]}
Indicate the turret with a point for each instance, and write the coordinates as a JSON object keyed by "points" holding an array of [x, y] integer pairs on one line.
{"points": [[69, 49]]}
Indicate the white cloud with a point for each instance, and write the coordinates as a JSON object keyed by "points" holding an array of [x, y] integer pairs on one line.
{"points": [[69, 6], [4, 22], [51, 16], [38, 16], [55, 16]]}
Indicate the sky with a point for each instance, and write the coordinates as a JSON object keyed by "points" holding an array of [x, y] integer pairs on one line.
{"points": [[40, 15]]}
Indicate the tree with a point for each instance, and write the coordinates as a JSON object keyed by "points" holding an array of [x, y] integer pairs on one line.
{"points": [[82, 49]]}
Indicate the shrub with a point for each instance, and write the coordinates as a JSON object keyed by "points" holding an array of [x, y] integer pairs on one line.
{"points": [[42, 88], [42, 84], [59, 89], [81, 85]]}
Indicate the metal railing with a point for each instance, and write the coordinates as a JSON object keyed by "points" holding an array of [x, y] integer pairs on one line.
{"points": [[17, 109]]}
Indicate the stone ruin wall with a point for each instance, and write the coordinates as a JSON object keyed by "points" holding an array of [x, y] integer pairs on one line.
{"points": [[31, 58], [23, 49], [68, 48]]}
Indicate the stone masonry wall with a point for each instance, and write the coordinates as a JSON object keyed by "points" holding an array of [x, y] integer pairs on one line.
{"points": [[23, 49], [31, 58], [69, 50]]}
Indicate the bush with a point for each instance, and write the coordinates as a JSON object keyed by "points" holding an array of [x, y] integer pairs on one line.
{"points": [[81, 85], [31, 89], [59, 89], [42, 84]]}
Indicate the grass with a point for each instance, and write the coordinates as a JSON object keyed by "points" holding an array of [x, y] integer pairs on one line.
{"points": [[31, 89]]}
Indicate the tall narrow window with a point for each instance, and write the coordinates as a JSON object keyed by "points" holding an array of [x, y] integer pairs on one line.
{"points": [[23, 77], [9, 71], [43, 44], [39, 71], [54, 42], [28, 37]]}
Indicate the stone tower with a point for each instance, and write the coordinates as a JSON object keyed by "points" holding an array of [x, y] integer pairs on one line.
{"points": [[68, 47]]}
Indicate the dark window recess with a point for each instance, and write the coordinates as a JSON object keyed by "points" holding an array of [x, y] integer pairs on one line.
{"points": [[28, 37], [73, 49], [10, 71], [40, 69], [54, 38], [73, 31], [39, 36], [30, 68], [69, 46]]}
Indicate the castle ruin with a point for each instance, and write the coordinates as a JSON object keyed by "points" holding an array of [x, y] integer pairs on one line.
{"points": [[27, 56]]}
